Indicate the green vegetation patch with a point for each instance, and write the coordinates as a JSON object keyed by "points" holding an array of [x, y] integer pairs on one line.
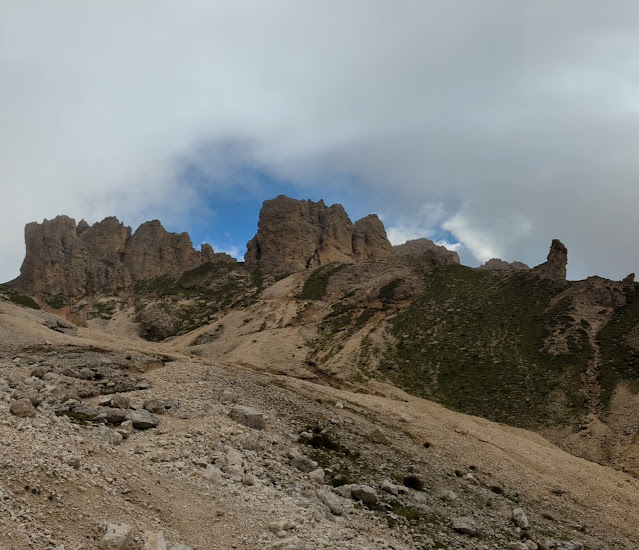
{"points": [[17, 298], [197, 295], [387, 292], [475, 342], [620, 359], [317, 283]]}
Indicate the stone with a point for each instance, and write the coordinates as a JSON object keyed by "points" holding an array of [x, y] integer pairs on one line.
{"points": [[181, 547], [84, 411], [22, 408], [291, 543], [117, 537], [389, 487], [248, 417], [155, 541], [249, 480], [316, 476], [120, 401], [106, 434], [157, 324], [142, 420], [364, 493], [154, 405], [303, 464], [517, 546], [332, 501], [378, 436], [112, 416], [466, 526], [520, 519], [355, 491], [555, 265]]}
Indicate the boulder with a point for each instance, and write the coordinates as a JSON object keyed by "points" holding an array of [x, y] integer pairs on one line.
{"points": [[142, 420], [248, 417], [466, 526], [117, 537], [332, 501], [22, 408], [520, 519], [154, 541]]}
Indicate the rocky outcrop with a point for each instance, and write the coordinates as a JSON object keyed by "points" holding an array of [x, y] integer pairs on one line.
{"points": [[370, 240], [555, 265], [71, 261], [297, 235], [426, 253], [495, 264]]}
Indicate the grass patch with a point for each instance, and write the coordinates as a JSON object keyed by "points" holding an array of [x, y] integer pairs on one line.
{"points": [[620, 359], [315, 286], [413, 482], [475, 342], [387, 292], [17, 298]]}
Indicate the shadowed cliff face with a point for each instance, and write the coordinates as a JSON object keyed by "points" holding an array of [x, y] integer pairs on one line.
{"points": [[298, 235], [69, 260]]}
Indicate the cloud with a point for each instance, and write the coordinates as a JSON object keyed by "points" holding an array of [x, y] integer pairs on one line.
{"points": [[518, 121]]}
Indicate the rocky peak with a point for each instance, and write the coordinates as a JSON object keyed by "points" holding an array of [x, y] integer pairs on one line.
{"points": [[426, 252], [555, 265], [495, 264], [370, 240], [69, 260], [296, 235]]}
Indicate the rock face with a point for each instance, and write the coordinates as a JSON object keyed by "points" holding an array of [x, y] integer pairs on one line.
{"points": [[369, 239], [69, 260], [296, 235], [555, 265], [495, 264], [425, 251]]}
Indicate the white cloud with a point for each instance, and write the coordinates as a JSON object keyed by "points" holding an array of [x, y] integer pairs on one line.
{"points": [[516, 122]]}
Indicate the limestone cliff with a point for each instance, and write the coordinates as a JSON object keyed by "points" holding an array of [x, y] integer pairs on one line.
{"points": [[297, 235], [69, 260]]}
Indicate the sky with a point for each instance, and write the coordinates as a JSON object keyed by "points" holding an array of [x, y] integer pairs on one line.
{"points": [[492, 126]]}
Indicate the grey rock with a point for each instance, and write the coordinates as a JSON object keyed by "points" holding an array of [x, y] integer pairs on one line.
{"points": [[154, 541], [466, 525], [117, 537], [248, 417], [303, 464], [22, 408], [520, 519], [364, 493], [142, 420], [106, 434], [120, 401], [291, 543], [378, 436], [332, 501]]}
